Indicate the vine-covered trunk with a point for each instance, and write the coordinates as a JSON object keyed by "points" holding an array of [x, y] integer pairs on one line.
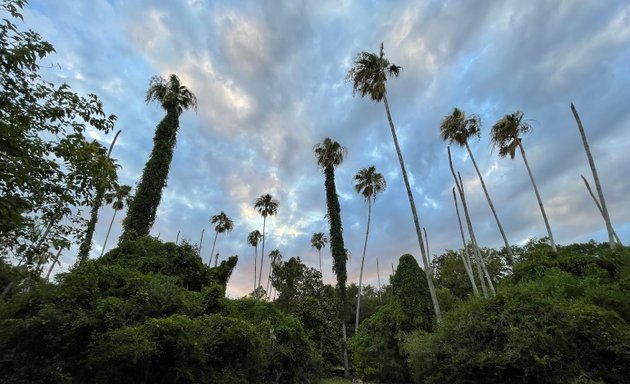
{"points": [[414, 213], [143, 208]]}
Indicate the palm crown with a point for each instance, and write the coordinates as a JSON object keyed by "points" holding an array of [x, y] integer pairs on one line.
{"points": [[120, 197], [223, 222], [329, 153], [266, 205], [319, 240], [369, 183], [458, 129], [170, 94], [370, 73], [506, 133], [254, 237]]}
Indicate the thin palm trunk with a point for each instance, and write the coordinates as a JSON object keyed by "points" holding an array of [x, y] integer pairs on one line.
{"points": [[540, 204], [367, 232], [378, 276], [86, 245], [319, 251], [199, 248], [599, 207], [464, 255], [416, 221], [177, 237], [474, 238], [269, 277], [494, 213], [471, 232], [262, 253], [255, 264], [426, 242], [108, 231], [598, 185], [55, 261], [214, 243]]}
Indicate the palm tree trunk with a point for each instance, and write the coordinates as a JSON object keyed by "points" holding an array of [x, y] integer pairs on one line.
{"points": [[319, 251], [540, 204], [269, 277], [367, 232], [598, 185], [216, 234], [346, 365], [414, 213], [262, 253], [599, 207], [426, 242], [464, 255], [494, 212], [378, 276], [471, 232], [255, 264], [177, 237], [55, 261], [199, 247], [479, 255], [108, 231], [86, 245]]}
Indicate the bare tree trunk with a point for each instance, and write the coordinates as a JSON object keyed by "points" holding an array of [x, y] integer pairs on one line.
{"points": [[319, 251], [414, 213], [464, 255], [599, 207], [494, 213], [216, 234], [378, 276], [177, 238], [199, 247], [471, 232], [367, 232], [598, 185], [108, 231], [540, 204], [262, 252], [255, 264]]}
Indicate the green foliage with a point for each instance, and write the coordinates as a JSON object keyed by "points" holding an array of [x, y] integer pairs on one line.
{"points": [[377, 352], [560, 318], [47, 166]]}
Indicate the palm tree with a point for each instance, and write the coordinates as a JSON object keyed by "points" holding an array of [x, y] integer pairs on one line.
{"points": [[223, 224], [266, 206], [174, 98], [601, 204], [456, 128], [86, 244], [275, 258], [252, 239], [506, 136], [330, 154], [369, 75], [368, 183], [319, 241], [120, 197]]}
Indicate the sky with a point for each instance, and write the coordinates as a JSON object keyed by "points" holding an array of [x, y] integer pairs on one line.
{"points": [[270, 79]]}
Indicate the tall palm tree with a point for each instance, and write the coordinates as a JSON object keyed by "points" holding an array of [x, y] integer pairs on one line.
{"points": [[275, 258], [120, 197], [598, 186], [252, 239], [368, 76], [86, 244], [457, 128], [174, 98], [330, 154], [223, 224], [319, 241], [506, 136], [266, 205], [368, 183]]}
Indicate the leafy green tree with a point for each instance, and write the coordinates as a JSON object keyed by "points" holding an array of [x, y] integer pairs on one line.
{"points": [[330, 154], [48, 168], [252, 239], [223, 224], [266, 205], [319, 241], [368, 183], [122, 196], [457, 128], [506, 136], [174, 98], [369, 76]]}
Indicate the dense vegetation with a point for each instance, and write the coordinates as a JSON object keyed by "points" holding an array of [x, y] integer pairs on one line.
{"points": [[153, 312]]}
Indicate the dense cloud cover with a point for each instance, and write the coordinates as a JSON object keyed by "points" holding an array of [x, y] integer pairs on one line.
{"points": [[270, 80]]}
